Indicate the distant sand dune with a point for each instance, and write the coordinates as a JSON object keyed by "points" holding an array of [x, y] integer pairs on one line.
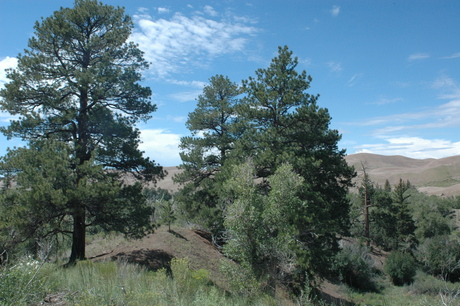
{"points": [[432, 176]]}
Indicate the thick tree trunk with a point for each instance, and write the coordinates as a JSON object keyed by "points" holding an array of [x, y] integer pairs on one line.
{"points": [[78, 237]]}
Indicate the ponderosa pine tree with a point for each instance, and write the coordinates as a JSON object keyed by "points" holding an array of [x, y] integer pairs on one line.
{"points": [[78, 84], [278, 123], [47, 187], [214, 132], [285, 125], [405, 225]]}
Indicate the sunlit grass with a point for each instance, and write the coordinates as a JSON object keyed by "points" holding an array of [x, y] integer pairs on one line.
{"points": [[121, 283]]}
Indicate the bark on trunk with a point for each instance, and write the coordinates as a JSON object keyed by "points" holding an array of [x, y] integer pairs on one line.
{"points": [[78, 237]]}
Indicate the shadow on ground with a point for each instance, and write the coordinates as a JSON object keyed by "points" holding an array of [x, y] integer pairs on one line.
{"points": [[151, 259]]}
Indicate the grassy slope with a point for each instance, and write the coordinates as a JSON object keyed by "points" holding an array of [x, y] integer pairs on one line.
{"points": [[156, 250]]}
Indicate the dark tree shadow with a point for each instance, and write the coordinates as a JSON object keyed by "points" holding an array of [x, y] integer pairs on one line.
{"points": [[177, 235], [151, 259]]}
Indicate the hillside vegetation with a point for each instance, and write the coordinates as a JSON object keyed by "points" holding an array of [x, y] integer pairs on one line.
{"points": [[265, 208]]}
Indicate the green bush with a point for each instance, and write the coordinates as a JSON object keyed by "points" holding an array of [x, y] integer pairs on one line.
{"points": [[241, 279], [430, 285], [440, 256], [401, 267], [21, 283], [355, 267]]}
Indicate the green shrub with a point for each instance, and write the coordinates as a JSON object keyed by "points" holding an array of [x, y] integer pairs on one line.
{"points": [[21, 283], [440, 256], [241, 278], [355, 267], [430, 285], [401, 267]]}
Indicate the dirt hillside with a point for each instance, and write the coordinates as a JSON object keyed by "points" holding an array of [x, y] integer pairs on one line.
{"points": [[156, 250], [433, 176]]}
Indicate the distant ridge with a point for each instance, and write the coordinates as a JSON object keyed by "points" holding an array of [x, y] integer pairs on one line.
{"points": [[433, 176]]}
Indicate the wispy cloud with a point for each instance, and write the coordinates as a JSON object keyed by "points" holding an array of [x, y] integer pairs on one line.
{"points": [[354, 79], [334, 66], [441, 116], [305, 61], [405, 133], [196, 84], [177, 119], [418, 56], [414, 147], [161, 146], [163, 10], [186, 96], [182, 42], [455, 55], [449, 88], [384, 101], [210, 11], [335, 10]]}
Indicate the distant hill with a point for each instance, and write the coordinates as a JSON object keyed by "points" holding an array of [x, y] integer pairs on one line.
{"points": [[433, 176], [168, 183]]}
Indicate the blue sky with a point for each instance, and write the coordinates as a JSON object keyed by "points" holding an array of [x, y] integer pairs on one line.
{"points": [[387, 71]]}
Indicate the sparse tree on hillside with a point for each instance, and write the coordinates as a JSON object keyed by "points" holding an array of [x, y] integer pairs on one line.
{"points": [[203, 154], [78, 84], [393, 223], [405, 225], [366, 190], [167, 212]]}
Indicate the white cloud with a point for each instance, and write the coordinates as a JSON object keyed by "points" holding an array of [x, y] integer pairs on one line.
{"points": [[385, 101], [418, 56], [305, 61], [163, 10], [354, 79], [334, 66], [197, 84], [182, 42], [405, 133], [335, 10], [448, 86], [446, 115], [6, 63], [210, 11], [455, 55], [186, 96], [248, 20], [414, 147], [161, 146], [177, 119]]}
